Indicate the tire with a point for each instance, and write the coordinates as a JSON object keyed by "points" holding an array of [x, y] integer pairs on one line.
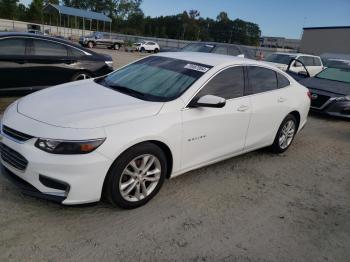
{"points": [[116, 47], [142, 50], [156, 50], [122, 173], [90, 44], [285, 135], [81, 76]]}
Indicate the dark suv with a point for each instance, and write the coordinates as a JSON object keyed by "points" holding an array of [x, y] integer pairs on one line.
{"points": [[30, 62]]}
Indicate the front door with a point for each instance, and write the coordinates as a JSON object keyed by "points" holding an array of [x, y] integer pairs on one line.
{"points": [[213, 133]]}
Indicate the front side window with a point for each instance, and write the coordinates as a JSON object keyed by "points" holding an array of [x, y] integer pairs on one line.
{"points": [[227, 84], [155, 78], [220, 50], [48, 48], [280, 58], [12, 46], [234, 51], [261, 79]]}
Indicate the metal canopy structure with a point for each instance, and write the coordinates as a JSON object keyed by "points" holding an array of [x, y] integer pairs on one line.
{"points": [[66, 11]]}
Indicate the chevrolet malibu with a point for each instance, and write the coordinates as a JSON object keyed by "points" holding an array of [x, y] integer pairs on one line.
{"points": [[120, 136]]}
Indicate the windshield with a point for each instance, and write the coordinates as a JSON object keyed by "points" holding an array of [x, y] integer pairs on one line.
{"points": [[155, 78], [280, 58], [335, 74], [204, 48]]}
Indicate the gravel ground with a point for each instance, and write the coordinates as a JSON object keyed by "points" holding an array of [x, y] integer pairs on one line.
{"points": [[256, 207]]}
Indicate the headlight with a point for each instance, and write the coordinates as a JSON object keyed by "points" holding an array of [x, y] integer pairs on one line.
{"points": [[66, 147], [109, 64], [343, 98]]}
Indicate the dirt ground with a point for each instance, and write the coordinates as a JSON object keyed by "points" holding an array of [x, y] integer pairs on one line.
{"points": [[257, 207]]}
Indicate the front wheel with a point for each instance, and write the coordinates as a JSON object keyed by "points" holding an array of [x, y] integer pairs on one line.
{"points": [[285, 135], [136, 176], [116, 47]]}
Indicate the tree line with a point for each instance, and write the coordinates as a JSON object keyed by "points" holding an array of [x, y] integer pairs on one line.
{"points": [[128, 18]]}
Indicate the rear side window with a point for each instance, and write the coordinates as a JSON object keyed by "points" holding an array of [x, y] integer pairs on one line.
{"points": [[75, 52], [282, 81], [47, 48], [227, 84], [261, 79], [317, 61], [12, 46]]}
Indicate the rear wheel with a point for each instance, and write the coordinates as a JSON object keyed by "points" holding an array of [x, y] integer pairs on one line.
{"points": [[90, 44], [136, 176], [156, 50], [116, 47], [285, 134], [142, 50]]}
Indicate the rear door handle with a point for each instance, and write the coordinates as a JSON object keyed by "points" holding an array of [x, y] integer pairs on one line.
{"points": [[282, 99], [242, 108]]}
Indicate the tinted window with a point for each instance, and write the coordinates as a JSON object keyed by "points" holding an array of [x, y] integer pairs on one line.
{"points": [[282, 81], [47, 48], [204, 48], [76, 52], [233, 51], [227, 84], [12, 46], [280, 58], [261, 79], [220, 50]]}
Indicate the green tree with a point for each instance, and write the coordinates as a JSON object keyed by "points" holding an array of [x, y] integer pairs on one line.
{"points": [[8, 9], [35, 11]]}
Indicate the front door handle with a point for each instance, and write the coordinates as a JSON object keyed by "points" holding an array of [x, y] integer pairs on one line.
{"points": [[282, 99], [242, 108]]}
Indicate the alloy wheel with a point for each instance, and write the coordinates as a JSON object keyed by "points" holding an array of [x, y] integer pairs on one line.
{"points": [[140, 177], [287, 134]]}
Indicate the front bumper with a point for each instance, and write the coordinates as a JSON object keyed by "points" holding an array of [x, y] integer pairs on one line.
{"points": [[82, 175], [335, 108]]}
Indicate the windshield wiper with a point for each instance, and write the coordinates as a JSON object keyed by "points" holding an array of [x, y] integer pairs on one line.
{"points": [[128, 91]]}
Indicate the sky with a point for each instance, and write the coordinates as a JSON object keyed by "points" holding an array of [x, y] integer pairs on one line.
{"points": [[283, 18]]}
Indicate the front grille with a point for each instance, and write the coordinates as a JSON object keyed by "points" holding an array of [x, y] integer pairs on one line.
{"points": [[13, 158], [319, 101], [15, 134]]}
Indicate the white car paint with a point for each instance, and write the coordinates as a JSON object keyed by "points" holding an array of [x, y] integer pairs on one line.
{"points": [[313, 70], [195, 136], [147, 46]]}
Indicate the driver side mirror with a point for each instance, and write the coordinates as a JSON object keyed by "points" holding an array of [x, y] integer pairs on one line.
{"points": [[208, 101]]}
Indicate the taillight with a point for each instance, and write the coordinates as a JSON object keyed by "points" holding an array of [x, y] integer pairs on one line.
{"points": [[309, 94]]}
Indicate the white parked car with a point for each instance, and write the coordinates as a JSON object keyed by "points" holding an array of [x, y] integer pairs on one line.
{"points": [[122, 135], [312, 63], [147, 46]]}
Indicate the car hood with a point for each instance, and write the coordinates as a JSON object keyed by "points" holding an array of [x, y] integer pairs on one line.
{"points": [[325, 85], [84, 104]]}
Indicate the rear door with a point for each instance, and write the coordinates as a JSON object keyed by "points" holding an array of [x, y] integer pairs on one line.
{"points": [[14, 64], [269, 93], [49, 63]]}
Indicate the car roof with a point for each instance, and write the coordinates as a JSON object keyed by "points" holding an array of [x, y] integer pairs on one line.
{"points": [[19, 34], [209, 58]]}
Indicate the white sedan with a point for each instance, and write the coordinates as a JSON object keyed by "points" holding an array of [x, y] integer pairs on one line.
{"points": [[122, 135]]}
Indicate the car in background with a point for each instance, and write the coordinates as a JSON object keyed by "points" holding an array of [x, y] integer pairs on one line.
{"points": [[147, 46], [31, 62], [313, 64], [100, 39], [329, 89], [123, 134], [218, 48], [336, 63]]}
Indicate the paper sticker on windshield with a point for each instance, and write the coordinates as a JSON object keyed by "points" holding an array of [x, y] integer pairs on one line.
{"points": [[197, 68]]}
